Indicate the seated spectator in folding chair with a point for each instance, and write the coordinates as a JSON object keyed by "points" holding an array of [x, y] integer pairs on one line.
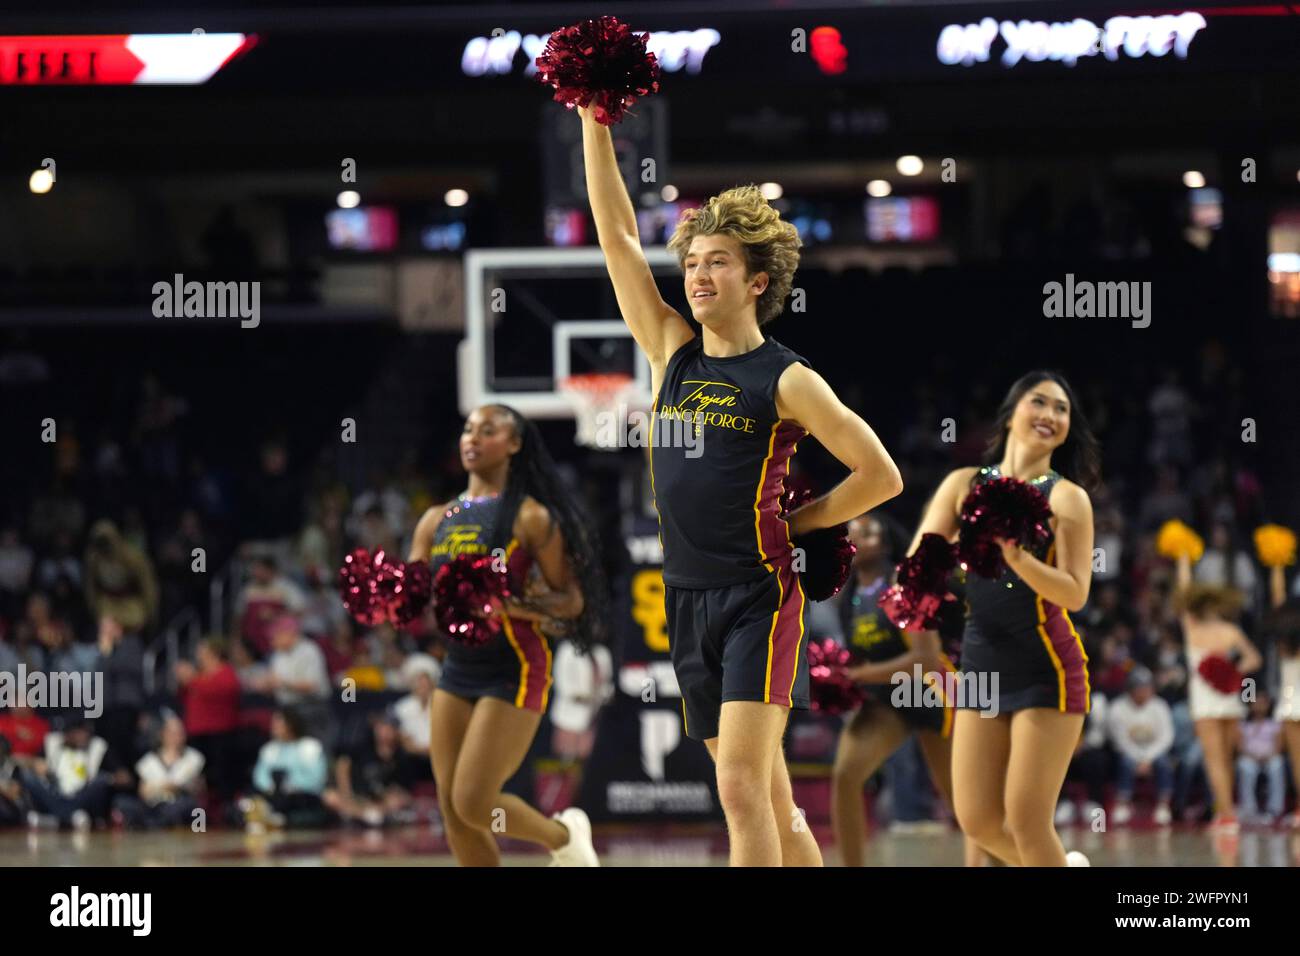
{"points": [[26, 731], [73, 785], [289, 778], [1259, 751], [1141, 729], [13, 800], [420, 673], [298, 677], [370, 783], [171, 778]]}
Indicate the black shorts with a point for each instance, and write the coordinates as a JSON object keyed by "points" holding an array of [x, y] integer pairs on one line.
{"points": [[515, 666], [742, 642], [1031, 665], [915, 716]]}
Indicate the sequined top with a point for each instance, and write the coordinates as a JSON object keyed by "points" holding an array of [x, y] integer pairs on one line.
{"points": [[465, 529]]}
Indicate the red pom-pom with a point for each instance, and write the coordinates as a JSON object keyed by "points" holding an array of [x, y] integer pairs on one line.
{"points": [[467, 592], [1001, 508], [920, 599], [359, 587], [827, 552], [832, 691], [1220, 673], [599, 64], [406, 587]]}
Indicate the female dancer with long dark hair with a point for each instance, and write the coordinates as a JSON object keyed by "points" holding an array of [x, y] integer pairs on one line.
{"points": [[1020, 646], [490, 698], [880, 652]]}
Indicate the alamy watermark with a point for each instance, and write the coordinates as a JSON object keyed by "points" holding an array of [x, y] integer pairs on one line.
{"points": [[1099, 300], [208, 300], [55, 690], [976, 690]]}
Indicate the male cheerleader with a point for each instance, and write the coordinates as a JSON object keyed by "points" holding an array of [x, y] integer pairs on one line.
{"points": [[730, 407]]}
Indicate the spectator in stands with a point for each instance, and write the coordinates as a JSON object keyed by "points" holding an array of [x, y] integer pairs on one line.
{"points": [[289, 777], [298, 677], [120, 580], [59, 573], [1260, 751], [420, 674], [171, 776], [62, 653], [1170, 666], [25, 730], [272, 508], [363, 672], [57, 510], [375, 533], [339, 650], [181, 586], [121, 660], [370, 782], [73, 784], [13, 799], [381, 511], [1226, 565], [323, 613], [268, 596], [1171, 429], [1141, 729], [1189, 760], [22, 649], [1165, 501], [323, 540], [210, 703], [16, 560]]}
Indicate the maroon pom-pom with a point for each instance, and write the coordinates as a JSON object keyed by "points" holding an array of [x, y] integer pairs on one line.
{"points": [[599, 64], [359, 587], [919, 599], [832, 691], [406, 588], [467, 592], [1001, 508], [827, 552], [1220, 673]]}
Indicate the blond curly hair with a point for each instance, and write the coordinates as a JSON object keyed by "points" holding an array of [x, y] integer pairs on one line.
{"points": [[770, 245]]}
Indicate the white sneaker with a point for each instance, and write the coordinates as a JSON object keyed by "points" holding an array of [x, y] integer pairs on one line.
{"points": [[1162, 816], [81, 821], [1075, 858], [1122, 814], [1065, 813], [578, 851]]}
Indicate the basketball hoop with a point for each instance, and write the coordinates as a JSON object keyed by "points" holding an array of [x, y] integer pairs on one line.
{"points": [[593, 394]]}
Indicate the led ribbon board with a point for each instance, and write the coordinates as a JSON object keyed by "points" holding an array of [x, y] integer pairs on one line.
{"points": [[177, 59]]}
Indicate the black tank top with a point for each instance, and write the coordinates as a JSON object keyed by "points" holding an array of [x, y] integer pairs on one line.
{"points": [[467, 528], [1008, 601], [718, 501], [869, 634]]}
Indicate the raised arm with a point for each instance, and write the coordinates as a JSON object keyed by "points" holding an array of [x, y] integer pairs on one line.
{"points": [[803, 396], [657, 327]]}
